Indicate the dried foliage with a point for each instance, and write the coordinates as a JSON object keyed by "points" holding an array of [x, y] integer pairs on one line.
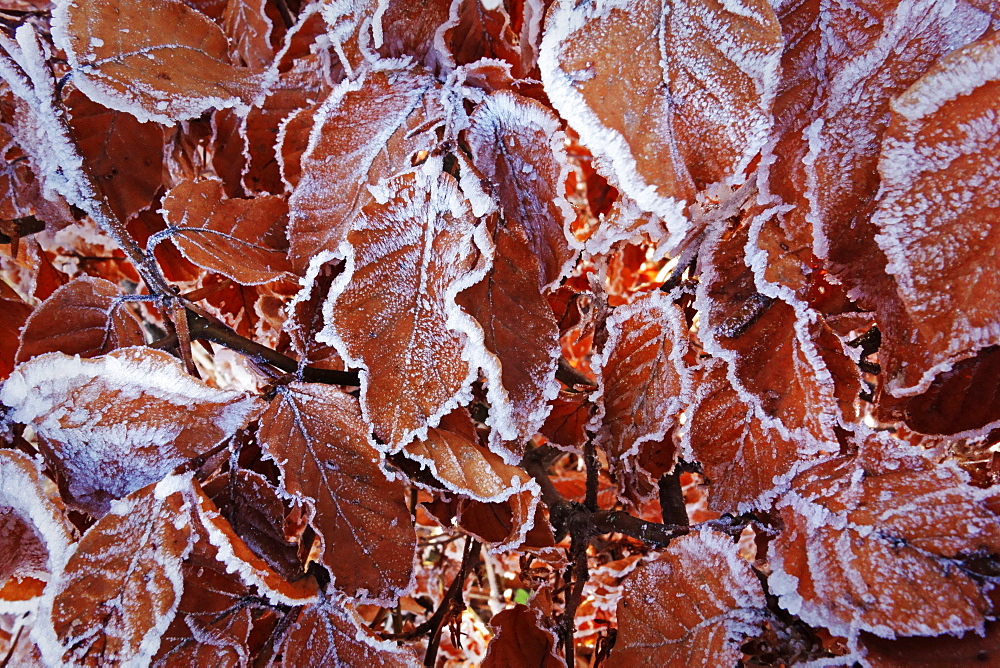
{"points": [[534, 332]]}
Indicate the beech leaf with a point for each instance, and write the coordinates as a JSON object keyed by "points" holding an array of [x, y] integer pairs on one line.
{"points": [[316, 436], [393, 313], [519, 641], [693, 606]]}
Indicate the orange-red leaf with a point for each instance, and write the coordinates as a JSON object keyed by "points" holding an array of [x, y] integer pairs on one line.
{"points": [[643, 381], [16, 313], [670, 97], [85, 317], [159, 60], [519, 641], [233, 237], [874, 542], [690, 607], [368, 129], [329, 634], [935, 211], [122, 585], [115, 423], [316, 436], [392, 312]]}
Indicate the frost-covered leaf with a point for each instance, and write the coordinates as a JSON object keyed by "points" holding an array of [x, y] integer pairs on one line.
{"points": [[501, 526], [16, 313], [477, 30], [967, 651], [121, 587], [233, 237], [693, 606], [368, 129], [874, 541], [519, 641], [329, 634], [85, 317], [643, 381], [565, 425], [249, 30], [35, 534], [517, 145], [124, 155], [670, 97], [455, 457], [746, 461], [316, 436], [158, 60], [112, 424], [392, 312], [937, 210], [789, 366], [520, 336]]}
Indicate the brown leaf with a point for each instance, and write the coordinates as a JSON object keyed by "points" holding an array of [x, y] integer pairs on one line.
{"points": [[690, 607], [124, 155], [747, 462], [519, 641], [520, 336], [517, 145], [16, 313], [157, 60], [249, 30], [316, 436], [112, 424], [228, 236], [968, 651], [474, 32], [85, 317], [35, 534], [665, 108], [329, 634], [392, 311], [122, 585], [455, 457], [565, 425], [368, 129], [791, 368], [940, 240], [643, 382], [868, 536]]}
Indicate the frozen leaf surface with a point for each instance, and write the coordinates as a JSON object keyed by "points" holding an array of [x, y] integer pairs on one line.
{"points": [[517, 145], [520, 642], [392, 312], [328, 634], [112, 424], [521, 338], [85, 317], [316, 436], [121, 587], [937, 209], [692, 606], [16, 313], [874, 541], [365, 131], [643, 380], [670, 97], [228, 236], [157, 60]]}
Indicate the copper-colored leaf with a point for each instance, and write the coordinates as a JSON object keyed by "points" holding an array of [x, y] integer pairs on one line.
{"points": [[516, 143], [690, 607], [227, 236], [565, 425], [475, 31], [520, 336], [158, 60], [35, 534], [121, 587], [968, 651], [519, 641], [366, 130], [867, 537], [85, 317], [939, 237], [115, 423], [643, 380], [392, 312], [747, 462], [455, 457], [316, 436], [787, 365], [329, 634], [249, 30], [670, 97], [16, 313]]}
